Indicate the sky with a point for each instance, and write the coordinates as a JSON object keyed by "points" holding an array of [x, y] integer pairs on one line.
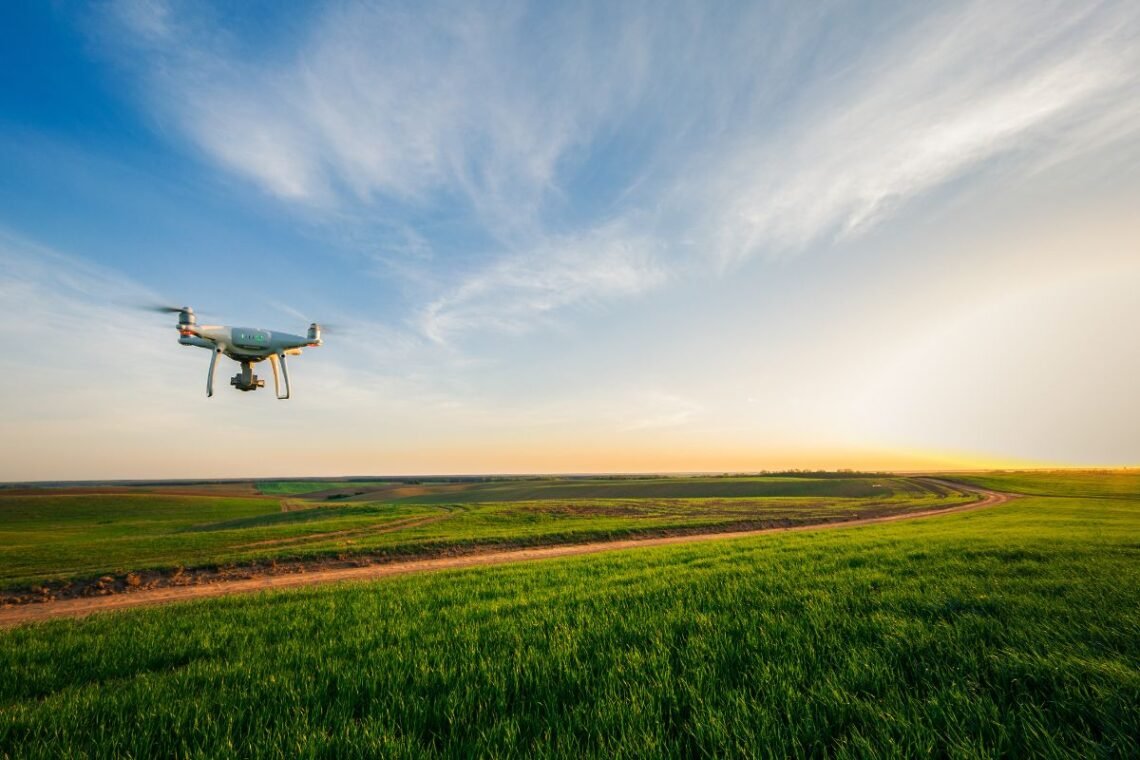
{"points": [[569, 238]]}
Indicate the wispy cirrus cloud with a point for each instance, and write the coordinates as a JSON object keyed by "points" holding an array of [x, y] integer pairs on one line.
{"points": [[954, 93], [395, 102], [515, 292], [469, 112], [712, 137]]}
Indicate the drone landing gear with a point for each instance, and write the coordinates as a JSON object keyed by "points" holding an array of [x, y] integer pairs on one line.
{"points": [[246, 380], [210, 376], [274, 360]]}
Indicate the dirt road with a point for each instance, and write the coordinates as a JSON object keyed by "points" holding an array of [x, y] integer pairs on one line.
{"points": [[79, 607]]}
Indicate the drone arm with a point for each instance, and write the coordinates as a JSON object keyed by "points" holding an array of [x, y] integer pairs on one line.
{"points": [[210, 375], [274, 360]]}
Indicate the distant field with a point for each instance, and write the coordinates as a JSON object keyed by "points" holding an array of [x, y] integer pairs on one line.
{"points": [[530, 489], [1012, 631], [295, 487], [1117, 484], [54, 536]]}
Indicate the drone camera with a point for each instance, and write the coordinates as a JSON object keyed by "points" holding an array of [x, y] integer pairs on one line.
{"points": [[246, 380], [252, 383]]}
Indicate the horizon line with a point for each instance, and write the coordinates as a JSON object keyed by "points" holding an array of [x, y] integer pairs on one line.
{"points": [[536, 476]]}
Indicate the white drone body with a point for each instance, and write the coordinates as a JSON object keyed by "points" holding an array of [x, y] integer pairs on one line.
{"points": [[246, 345]]}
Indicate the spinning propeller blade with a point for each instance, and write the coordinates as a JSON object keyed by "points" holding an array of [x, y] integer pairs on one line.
{"points": [[163, 308]]}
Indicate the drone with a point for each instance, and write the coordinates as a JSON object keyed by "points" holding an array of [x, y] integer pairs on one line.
{"points": [[246, 345]]}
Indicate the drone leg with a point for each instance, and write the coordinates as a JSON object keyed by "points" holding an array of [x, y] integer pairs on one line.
{"points": [[276, 375], [280, 359], [276, 379], [210, 375]]}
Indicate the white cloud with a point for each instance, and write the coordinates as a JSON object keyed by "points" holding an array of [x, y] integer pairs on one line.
{"points": [[516, 291], [385, 105], [751, 146], [958, 92], [381, 101]]}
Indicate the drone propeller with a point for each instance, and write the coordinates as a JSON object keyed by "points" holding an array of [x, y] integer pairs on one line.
{"points": [[157, 308], [187, 319], [166, 309]]}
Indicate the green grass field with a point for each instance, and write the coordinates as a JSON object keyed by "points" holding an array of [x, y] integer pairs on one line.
{"points": [[535, 488], [299, 487], [1012, 631], [53, 536], [1091, 484]]}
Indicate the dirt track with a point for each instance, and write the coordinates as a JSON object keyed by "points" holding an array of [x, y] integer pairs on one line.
{"points": [[79, 607]]}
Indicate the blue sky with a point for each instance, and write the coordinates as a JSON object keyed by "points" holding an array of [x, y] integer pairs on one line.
{"points": [[589, 237]]}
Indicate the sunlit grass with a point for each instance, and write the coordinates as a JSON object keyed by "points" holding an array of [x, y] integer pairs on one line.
{"points": [[1119, 484], [53, 537], [1013, 631]]}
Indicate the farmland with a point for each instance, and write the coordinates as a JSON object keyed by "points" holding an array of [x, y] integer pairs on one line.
{"points": [[55, 535], [526, 489], [1012, 630], [1089, 484]]}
